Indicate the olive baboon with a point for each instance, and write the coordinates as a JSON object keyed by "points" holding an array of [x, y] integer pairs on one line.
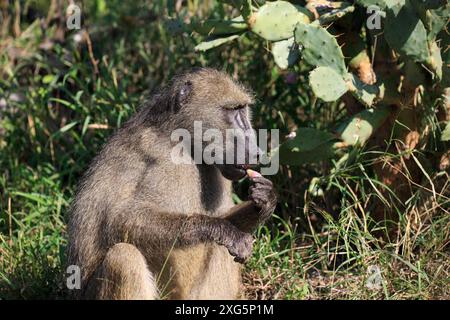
{"points": [[143, 227]]}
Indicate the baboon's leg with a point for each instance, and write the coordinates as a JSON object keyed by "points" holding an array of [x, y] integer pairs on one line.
{"points": [[123, 275]]}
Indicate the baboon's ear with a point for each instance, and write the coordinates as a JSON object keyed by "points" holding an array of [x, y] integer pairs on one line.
{"points": [[184, 93]]}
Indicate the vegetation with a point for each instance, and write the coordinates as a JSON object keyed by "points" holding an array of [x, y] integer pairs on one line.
{"points": [[363, 184]]}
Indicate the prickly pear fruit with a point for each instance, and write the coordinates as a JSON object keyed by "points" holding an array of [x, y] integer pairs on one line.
{"points": [[253, 174]]}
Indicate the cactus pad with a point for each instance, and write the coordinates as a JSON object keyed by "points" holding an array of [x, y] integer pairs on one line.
{"points": [[405, 32], [366, 94], [320, 48], [436, 20], [285, 53], [342, 8], [276, 21], [327, 84], [359, 128], [308, 146]]}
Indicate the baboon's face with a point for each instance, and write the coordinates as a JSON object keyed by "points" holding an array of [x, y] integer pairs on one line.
{"points": [[243, 148], [219, 103]]}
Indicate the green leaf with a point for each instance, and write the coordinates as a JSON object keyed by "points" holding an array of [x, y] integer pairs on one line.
{"points": [[213, 43], [85, 125], [67, 127], [445, 136], [39, 198], [48, 78]]}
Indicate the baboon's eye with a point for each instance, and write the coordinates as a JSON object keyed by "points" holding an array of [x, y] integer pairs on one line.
{"points": [[235, 107], [185, 91], [239, 107]]}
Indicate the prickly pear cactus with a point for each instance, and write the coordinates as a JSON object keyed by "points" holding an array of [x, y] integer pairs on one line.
{"points": [[285, 53], [359, 128], [340, 10], [401, 17], [436, 20], [327, 84], [276, 21], [320, 48], [366, 94], [307, 145], [400, 59]]}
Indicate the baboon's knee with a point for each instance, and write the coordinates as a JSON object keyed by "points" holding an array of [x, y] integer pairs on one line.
{"points": [[124, 275]]}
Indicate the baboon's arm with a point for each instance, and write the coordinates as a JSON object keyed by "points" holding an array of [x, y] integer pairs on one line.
{"points": [[245, 216], [248, 215], [166, 230]]}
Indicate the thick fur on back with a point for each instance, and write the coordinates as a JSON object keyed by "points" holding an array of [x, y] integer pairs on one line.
{"points": [[134, 173]]}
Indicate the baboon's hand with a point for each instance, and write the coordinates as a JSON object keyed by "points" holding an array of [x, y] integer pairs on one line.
{"points": [[241, 247], [238, 243], [262, 193]]}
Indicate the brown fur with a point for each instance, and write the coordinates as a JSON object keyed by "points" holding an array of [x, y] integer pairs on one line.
{"points": [[142, 227]]}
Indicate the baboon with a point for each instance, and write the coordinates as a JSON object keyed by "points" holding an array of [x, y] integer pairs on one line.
{"points": [[143, 227]]}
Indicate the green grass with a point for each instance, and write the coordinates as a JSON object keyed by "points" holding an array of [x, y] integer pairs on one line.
{"points": [[322, 239]]}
